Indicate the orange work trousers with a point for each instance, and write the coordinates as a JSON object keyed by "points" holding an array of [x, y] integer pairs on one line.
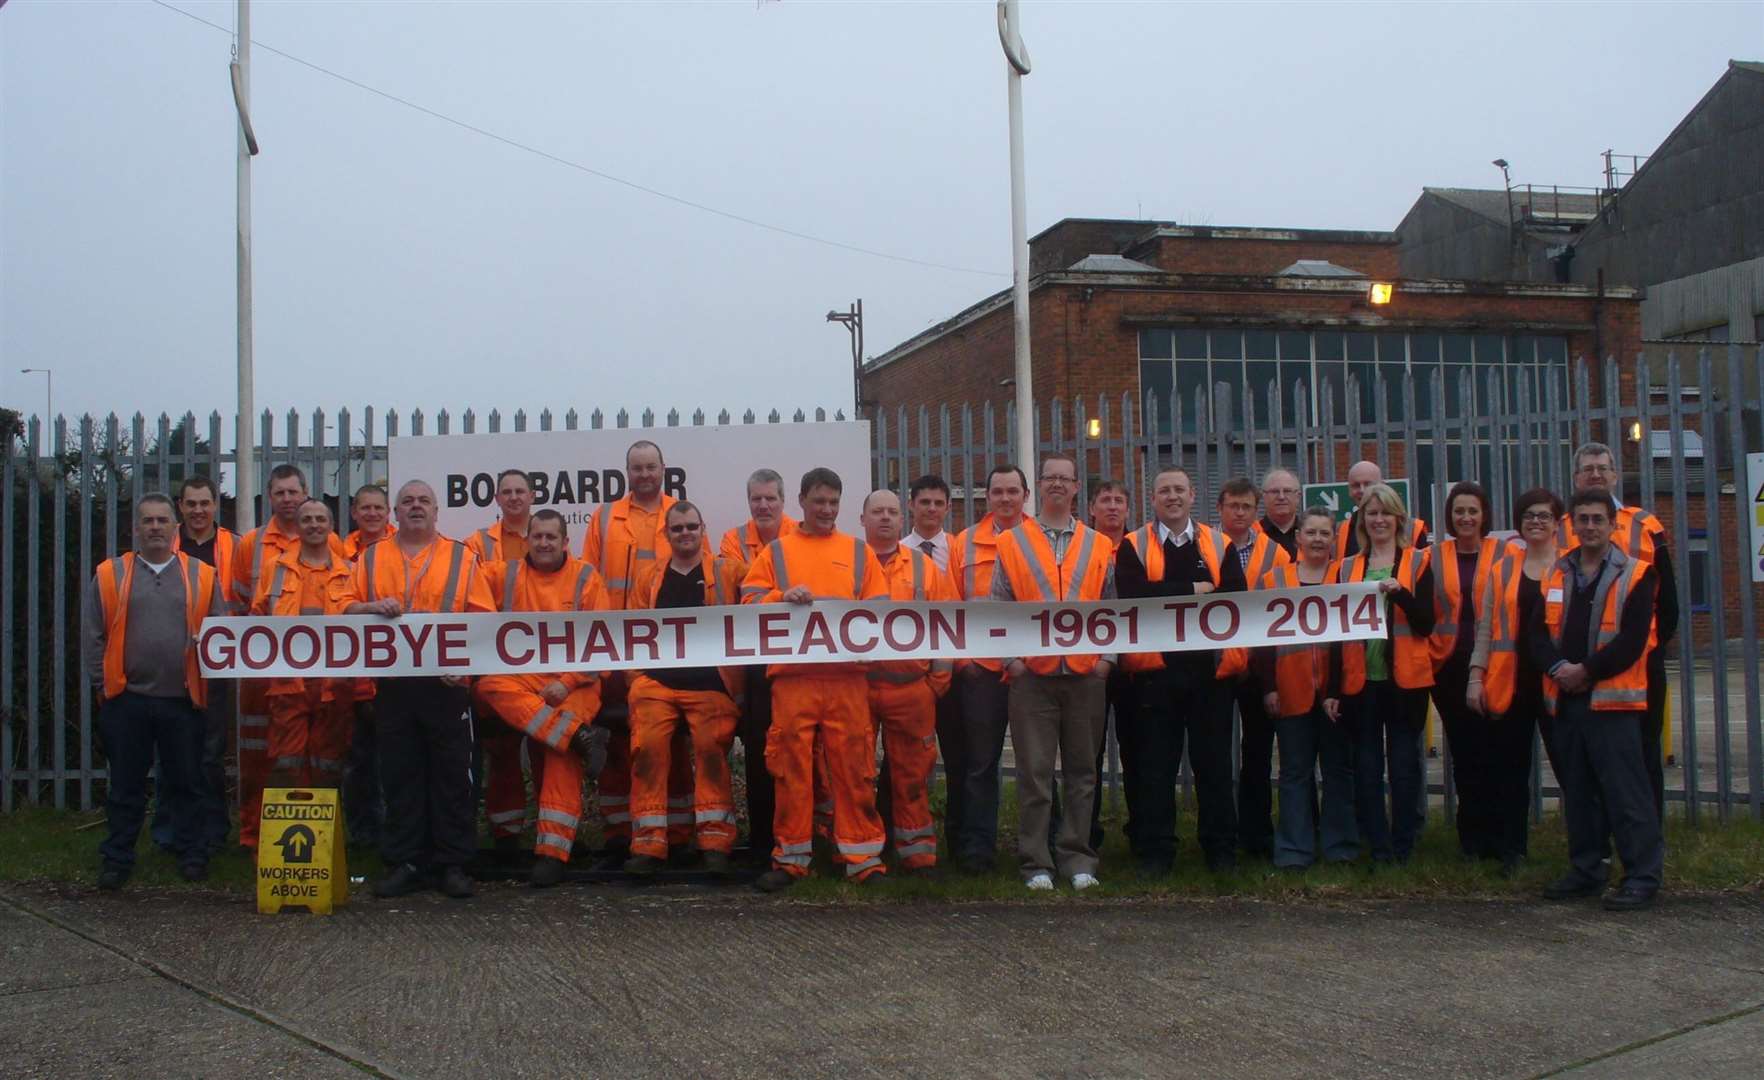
{"points": [[557, 769], [709, 717], [907, 714], [505, 786], [836, 708], [615, 779], [308, 740], [252, 744]]}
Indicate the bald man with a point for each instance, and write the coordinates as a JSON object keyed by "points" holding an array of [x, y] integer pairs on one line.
{"points": [[1362, 475]]}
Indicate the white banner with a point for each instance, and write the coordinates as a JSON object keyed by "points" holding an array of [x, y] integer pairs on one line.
{"points": [[819, 633], [574, 471]]}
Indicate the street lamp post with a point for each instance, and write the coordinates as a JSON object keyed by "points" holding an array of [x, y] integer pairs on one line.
{"points": [[48, 391], [853, 319], [240, 70], [1017, 66]]}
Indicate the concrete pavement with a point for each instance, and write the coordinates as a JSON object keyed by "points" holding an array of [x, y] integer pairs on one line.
{"points": [[691, 981]]}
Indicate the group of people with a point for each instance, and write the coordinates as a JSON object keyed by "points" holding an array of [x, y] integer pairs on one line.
{"points": [[1563, 628]]}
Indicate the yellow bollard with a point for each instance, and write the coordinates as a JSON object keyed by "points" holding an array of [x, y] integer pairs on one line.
{"points": [[300, 860]]}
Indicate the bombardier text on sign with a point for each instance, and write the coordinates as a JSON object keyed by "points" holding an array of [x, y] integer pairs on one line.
{"points": [[819, 633]]}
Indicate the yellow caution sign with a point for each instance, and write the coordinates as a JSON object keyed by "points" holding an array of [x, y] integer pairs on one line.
{"points": [[300, 861]]}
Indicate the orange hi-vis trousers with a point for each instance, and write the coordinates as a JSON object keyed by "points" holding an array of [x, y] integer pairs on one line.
{"points": [[309, 738], [837, 708], [709, 717], [557, 770], [505, 786], [615, 779], [906, 711], [253, 748]]}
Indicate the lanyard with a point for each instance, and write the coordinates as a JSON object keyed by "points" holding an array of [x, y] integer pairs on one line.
{"points": [[410, 580]]}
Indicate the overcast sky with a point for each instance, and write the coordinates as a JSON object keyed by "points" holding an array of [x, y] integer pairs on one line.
{"points": [[403, 261]]}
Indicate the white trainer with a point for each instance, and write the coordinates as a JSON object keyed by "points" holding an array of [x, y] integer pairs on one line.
{"points": [[1040, 882], [1080, 882]]}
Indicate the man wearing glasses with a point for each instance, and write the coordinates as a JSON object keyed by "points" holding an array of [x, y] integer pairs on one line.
{"points": [[1639, 535], [1280, 507]]}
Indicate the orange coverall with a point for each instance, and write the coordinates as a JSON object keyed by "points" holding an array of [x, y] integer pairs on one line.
{"points": [[903, 703], [310, 720], [505, 788]]}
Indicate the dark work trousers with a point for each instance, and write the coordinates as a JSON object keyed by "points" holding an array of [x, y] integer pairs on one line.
{"points": [[1471, 739], [1309, 743], [985, 719], [135, 728], [1120, 699], [1603, 755], [363, 804], [1653, 727], [1255, 791], [1387, 722], [1176, 711], [425, 749], [211, 779], [1512, 737], [949, 749], [762, 796]]}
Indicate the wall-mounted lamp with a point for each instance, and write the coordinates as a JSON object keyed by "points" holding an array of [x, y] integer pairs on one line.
{"points": [[1379, 293], [1093, 427], [1635, 431]]}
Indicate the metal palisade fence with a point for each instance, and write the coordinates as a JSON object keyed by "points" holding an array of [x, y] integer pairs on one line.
{"points": [[1681, 423]]}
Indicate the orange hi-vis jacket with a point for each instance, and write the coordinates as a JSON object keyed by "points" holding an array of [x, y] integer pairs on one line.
{"points": [[972, 557], [1411, 662], [1027, 560], [722, 588], [616, 549], [441, 578], [1635, 532], [1448, 594], [742, 544], [1500, 605], [1628, 690], [833, 567], [575, 586], [912, 575], [355, 543], [260, 548], [1301, 672], [292, 588], [115, 578], [1265, 555], [226, 542], [1417, 536], [493, 544], [1211, 544]]}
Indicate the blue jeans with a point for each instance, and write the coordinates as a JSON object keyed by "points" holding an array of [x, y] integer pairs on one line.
{"points": [[1305, 742], [1386, 721], [210, 786], [135, 727]]}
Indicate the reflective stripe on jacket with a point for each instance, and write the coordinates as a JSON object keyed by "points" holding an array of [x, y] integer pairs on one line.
{"points": [[1628, 690], [115, 578], [1026, 558]]}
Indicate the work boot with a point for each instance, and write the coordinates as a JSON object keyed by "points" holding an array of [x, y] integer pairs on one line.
{"points": [[590, 742], [456, 885], [193, 870], [612, 857], [401, 880], [774, 881], [1628, 898], [112, 877], [644, 865], [1572, 886], [546, 872], [718, 863]]}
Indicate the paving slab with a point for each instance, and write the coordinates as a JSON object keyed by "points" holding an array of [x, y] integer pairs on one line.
{"points": [[1727, 1048]]}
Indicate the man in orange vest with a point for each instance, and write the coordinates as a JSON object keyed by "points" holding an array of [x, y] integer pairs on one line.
{"points": [[1640, 535], [310, 718], [701, 700], [1056, 703], [971, 757], [828, 701], [1590, 638], [142, 612], [742, 544], [1362, 475], [555, 710], [257, 551], [1257, 554], [363, 805], [371, 511], [904, 694], [505, 788], [425, 732]]}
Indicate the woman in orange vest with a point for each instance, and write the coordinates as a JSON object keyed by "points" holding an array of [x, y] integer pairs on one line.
{"points": [[1461, 570], [1301, 690], [1504, 684], [1384, 684]]}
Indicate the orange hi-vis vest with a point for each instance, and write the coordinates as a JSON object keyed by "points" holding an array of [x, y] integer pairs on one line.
{"points": [[913, 576], [1301, 672], [1635, 532], [575, 586], [1265, 556], [355, 543], [442, 578], [617, 552], [1628, 690], [973, 555], [834, 566], [1027, 560], [1500, 605], [742, 544], [1411, 663], [722, 588], [1417, 536], [1150, 550], [491, 544], [115, 578], [1448, 594], [293, 589], [260, 548], [226, 542]]}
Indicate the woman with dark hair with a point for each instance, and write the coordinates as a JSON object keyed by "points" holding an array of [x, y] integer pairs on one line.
{"points": [[1461, 572], [1504, 686]]}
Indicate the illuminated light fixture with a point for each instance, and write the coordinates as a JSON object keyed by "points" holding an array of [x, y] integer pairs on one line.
{"points": [[1093, 428], [1380, 292], [1635, 431]]}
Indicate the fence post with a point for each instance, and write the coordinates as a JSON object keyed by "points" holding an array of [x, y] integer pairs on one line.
{"points": [[1748, 592], [58, 613], [1687, 717], [1712, 569]]}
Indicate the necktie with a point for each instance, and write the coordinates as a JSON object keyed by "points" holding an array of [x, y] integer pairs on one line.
{"points": [[927, 547]]}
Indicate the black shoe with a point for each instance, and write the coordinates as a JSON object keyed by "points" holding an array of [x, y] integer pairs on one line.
{"points": [[112, 878], [590, 742], [1223, 862], [1628, 898], [401, 880], [612, 857], [1572, 886], [977, 865], [546, 872], [921, 873], [774, 881], [193, 870], [644, 865], [718, 863], [456, 885], [1154, 868]]}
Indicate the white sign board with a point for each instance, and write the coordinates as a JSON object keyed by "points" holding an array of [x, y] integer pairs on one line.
{"points": [[575, 471], [1755, 507]]}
